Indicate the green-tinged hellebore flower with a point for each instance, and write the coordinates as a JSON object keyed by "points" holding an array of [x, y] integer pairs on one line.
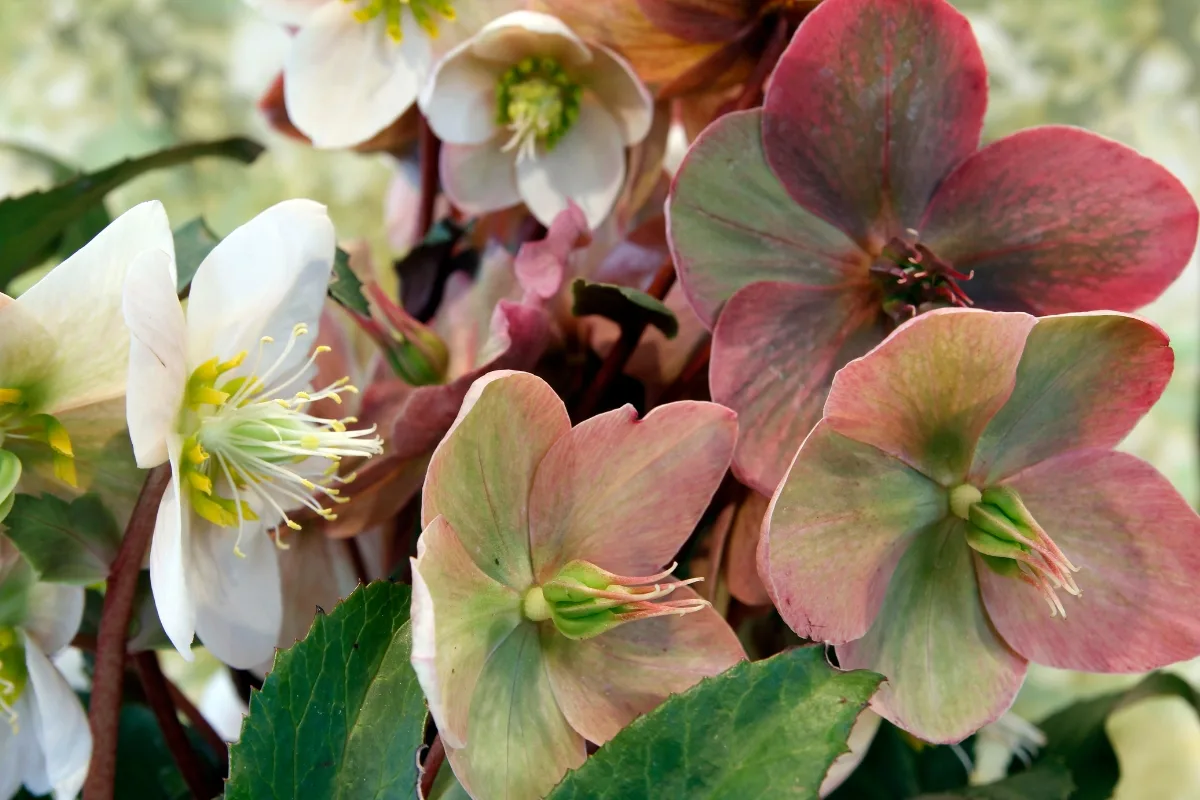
{"points": [[222, 392], [959, 512], [63, 359], [45, 742], [530, 633]]}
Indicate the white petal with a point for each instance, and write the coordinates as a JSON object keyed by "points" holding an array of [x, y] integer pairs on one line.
{"points": [[622, 92], [55, 613], [530, 33], [168, 567], [157, 356], [479, 178], [239, 609], [344, 81], [21, 757], [287, 12], [587, 166], [79, 303], [861, 736], [459, 99], [263, 279], [26, 348], [59, 722], [470, 17]]}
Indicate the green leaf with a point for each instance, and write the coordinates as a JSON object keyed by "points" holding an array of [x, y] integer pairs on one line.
{"points": [[1050, 781], [623, 305], [341, 713], [194, 240], [764, 729], [345, 287], [33, 226], [1076, 735], [64, 542]]}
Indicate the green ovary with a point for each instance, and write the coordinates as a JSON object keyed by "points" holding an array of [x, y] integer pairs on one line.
{"points": [[538, 102], [425, 12], [13, 673]]}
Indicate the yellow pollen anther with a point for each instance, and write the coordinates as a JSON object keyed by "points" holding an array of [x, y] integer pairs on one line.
{"points": [[10, 396], [299, 329], [310, 442], [338, 426], [322, 348], [294, 525]]}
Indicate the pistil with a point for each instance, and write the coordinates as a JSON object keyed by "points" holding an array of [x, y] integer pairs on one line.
{"points": [[538, 102], [914, 280]]}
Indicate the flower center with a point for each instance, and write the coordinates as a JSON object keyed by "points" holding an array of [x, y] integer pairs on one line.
{"points": [[539, 102], [425, 12], [584, 600], [251, 437], [16, 422], [914, 280], [1001, 529], [13, 674]]}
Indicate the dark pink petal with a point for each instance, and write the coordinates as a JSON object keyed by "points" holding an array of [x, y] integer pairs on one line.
{"points": [[1084, 381], [948, 673], [540, 265], [625, 493], [480, 475], [1134, 540], [1059, 219], [871, 106], [741, 559], [834, 531], [699, 20], [602, 683], [730, 222], [927, 393], [775, 350]]}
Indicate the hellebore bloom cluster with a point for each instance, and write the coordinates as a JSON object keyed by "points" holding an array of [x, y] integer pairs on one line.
{"points": [[530, 113], [959, 512], [531, 634], [61, 397], [45, 742], [856, 198], [222, 393]]}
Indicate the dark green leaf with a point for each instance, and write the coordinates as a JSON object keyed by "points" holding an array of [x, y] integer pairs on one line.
{"points": [[32, 226], [624, 305], [64, 542], [764, 729], [194, 240], [1050, 781], [345, 287], [341, 713]]}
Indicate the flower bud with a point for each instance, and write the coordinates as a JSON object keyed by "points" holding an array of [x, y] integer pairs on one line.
{"points": [[415, 352]]}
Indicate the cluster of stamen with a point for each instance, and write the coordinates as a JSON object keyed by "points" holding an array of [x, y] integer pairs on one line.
{"points": [[538, 102], [253, 437], [584, 600], [1001, 529], [915, 280], [13, 674], [17, 423], [424, 12]]}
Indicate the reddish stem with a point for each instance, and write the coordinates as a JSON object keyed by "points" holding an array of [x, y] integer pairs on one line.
{"points": [[622, 351], [431, 765], [213, 739], [104, 712], [752, 89], [430, 148]]}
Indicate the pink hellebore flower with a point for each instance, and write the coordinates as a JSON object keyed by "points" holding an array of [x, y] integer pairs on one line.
{"points": [[856, 198], [530, 113], [528, 638], [961, 481]]}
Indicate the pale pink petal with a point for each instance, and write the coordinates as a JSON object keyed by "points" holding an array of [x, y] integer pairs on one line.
{"points": [[519, 34], [1134, 540], [926, 394], [479, 178], [603, 683], [459, 99], [625, 493], [540, 265]]}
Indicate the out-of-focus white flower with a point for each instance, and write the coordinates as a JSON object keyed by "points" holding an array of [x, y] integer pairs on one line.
{"points": [[1157, 742], [222, 393], [356, 65], [531, 113]]}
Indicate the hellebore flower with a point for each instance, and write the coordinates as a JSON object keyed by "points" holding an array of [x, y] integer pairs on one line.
{"points": [[856, 198], [222, 393], [959, 512], [64, 356], [45, 742], [356, 66], [530, 634], [530, 113]]}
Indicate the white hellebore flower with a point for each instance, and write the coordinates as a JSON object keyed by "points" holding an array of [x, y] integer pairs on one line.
{"points": [[356, 65], [530, 113], [222, 392], [45, 742], [63, 346]]}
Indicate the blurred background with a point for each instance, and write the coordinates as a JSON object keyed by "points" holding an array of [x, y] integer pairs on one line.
{"points": [[93, 81]]}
